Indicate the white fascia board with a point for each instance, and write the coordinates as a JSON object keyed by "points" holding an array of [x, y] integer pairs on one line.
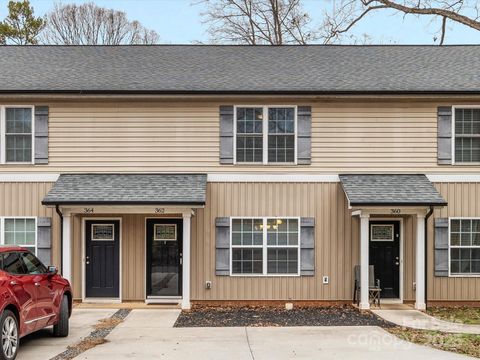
{"points": [[272, 178], [31, 177]]}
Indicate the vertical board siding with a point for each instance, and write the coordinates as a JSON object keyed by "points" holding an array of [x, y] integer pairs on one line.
{"points": [[336, 231], [25, 199], [463, 200], [336, 247]]}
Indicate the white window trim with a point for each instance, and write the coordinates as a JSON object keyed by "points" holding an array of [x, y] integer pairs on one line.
{"points": [[3, 127], [454, 107], [2, 230], [265, 247], [458, 247], [265, 135]]}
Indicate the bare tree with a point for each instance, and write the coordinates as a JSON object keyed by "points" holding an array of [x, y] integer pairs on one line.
{"points": [[347, 13], [89, 24], [254, 22]]}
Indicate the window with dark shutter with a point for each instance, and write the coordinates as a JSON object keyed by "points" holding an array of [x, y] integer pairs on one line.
{"points": [[265, 135], [467, 135]]}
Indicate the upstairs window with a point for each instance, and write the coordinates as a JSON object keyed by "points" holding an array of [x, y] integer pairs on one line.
{"points": [[265, 135], [249, 135], [281, 135], [16, 134], [467, 135]]}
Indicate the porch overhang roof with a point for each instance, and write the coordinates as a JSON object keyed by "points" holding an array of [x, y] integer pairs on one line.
{"points": [[128, 189], [376, 190]]}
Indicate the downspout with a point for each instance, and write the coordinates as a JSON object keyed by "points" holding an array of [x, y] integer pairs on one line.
{"points": [[430, 212], [60, 215]]}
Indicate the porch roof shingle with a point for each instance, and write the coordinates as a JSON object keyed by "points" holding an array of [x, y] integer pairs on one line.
{"points": [[128, 189], [391, 189]]}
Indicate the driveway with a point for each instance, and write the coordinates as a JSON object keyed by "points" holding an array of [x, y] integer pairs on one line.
{"points": [[42, 345], [148, 334]]}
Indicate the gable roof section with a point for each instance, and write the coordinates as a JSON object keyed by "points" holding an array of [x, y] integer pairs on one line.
{"points": [[384, 190], [128, 189], [197, 69]]}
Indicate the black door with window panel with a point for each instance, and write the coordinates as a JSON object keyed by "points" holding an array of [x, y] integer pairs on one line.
{"points": [[164, 257], [102, 252], [385, 256]]}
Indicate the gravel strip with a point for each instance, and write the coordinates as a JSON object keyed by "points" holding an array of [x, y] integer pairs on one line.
{"points": [[96, 337], [264, 316]]}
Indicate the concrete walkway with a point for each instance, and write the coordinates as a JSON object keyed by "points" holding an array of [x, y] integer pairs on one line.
{"points": [[418, 320], [42, 344], [148, 334]]}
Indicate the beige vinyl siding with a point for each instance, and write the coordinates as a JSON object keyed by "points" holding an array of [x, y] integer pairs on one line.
{"points": [[183, 136], [335, 230], [463, 200], [25, 199], [337, 240]]}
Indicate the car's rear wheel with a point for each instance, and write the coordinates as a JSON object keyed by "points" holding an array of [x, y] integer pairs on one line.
{"points": [[10, 338], [60, 329]]}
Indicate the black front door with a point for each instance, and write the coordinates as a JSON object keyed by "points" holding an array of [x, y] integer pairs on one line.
{"points": [[102, 251], [164, 257], [385, 255]]}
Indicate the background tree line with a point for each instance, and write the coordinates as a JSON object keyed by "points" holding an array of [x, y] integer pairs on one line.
{"points": [[253, 22]]}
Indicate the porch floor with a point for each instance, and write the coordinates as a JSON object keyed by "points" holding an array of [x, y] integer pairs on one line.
{"points": [[125, 305]]}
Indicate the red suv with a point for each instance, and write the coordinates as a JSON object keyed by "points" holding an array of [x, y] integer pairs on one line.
{"points": [[32, 297]]}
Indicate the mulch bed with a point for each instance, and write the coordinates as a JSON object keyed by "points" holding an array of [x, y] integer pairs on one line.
{"points": [[268, 316]]}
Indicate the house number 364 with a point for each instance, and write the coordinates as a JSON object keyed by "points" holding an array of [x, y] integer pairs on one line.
{"points": [[88, 210]]}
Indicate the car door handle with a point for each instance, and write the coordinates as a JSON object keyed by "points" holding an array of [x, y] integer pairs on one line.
{"points": [[13, 282], [37, 284]]}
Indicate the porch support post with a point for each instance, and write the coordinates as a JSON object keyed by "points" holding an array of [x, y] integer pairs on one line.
{"points": [[67, 247], [364, 261], [186, 261], [420, 264]]}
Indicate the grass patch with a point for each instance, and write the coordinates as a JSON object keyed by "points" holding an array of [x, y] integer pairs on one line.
{"points": [[463, 315], [466, 344]]}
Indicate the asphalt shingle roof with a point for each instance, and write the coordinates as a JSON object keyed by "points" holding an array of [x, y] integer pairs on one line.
{"points": [[390, 190], [240, 69], [127, 189]]}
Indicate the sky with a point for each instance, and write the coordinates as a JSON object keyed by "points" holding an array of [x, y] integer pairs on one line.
{"points": [[180, 21]]}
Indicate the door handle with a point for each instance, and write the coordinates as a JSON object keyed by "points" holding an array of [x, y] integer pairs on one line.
{"points": [[37, 284], [13, 282], [397, 263]]}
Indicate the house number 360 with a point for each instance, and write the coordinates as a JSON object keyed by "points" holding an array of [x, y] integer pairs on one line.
{"points": [[395, 211]]}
